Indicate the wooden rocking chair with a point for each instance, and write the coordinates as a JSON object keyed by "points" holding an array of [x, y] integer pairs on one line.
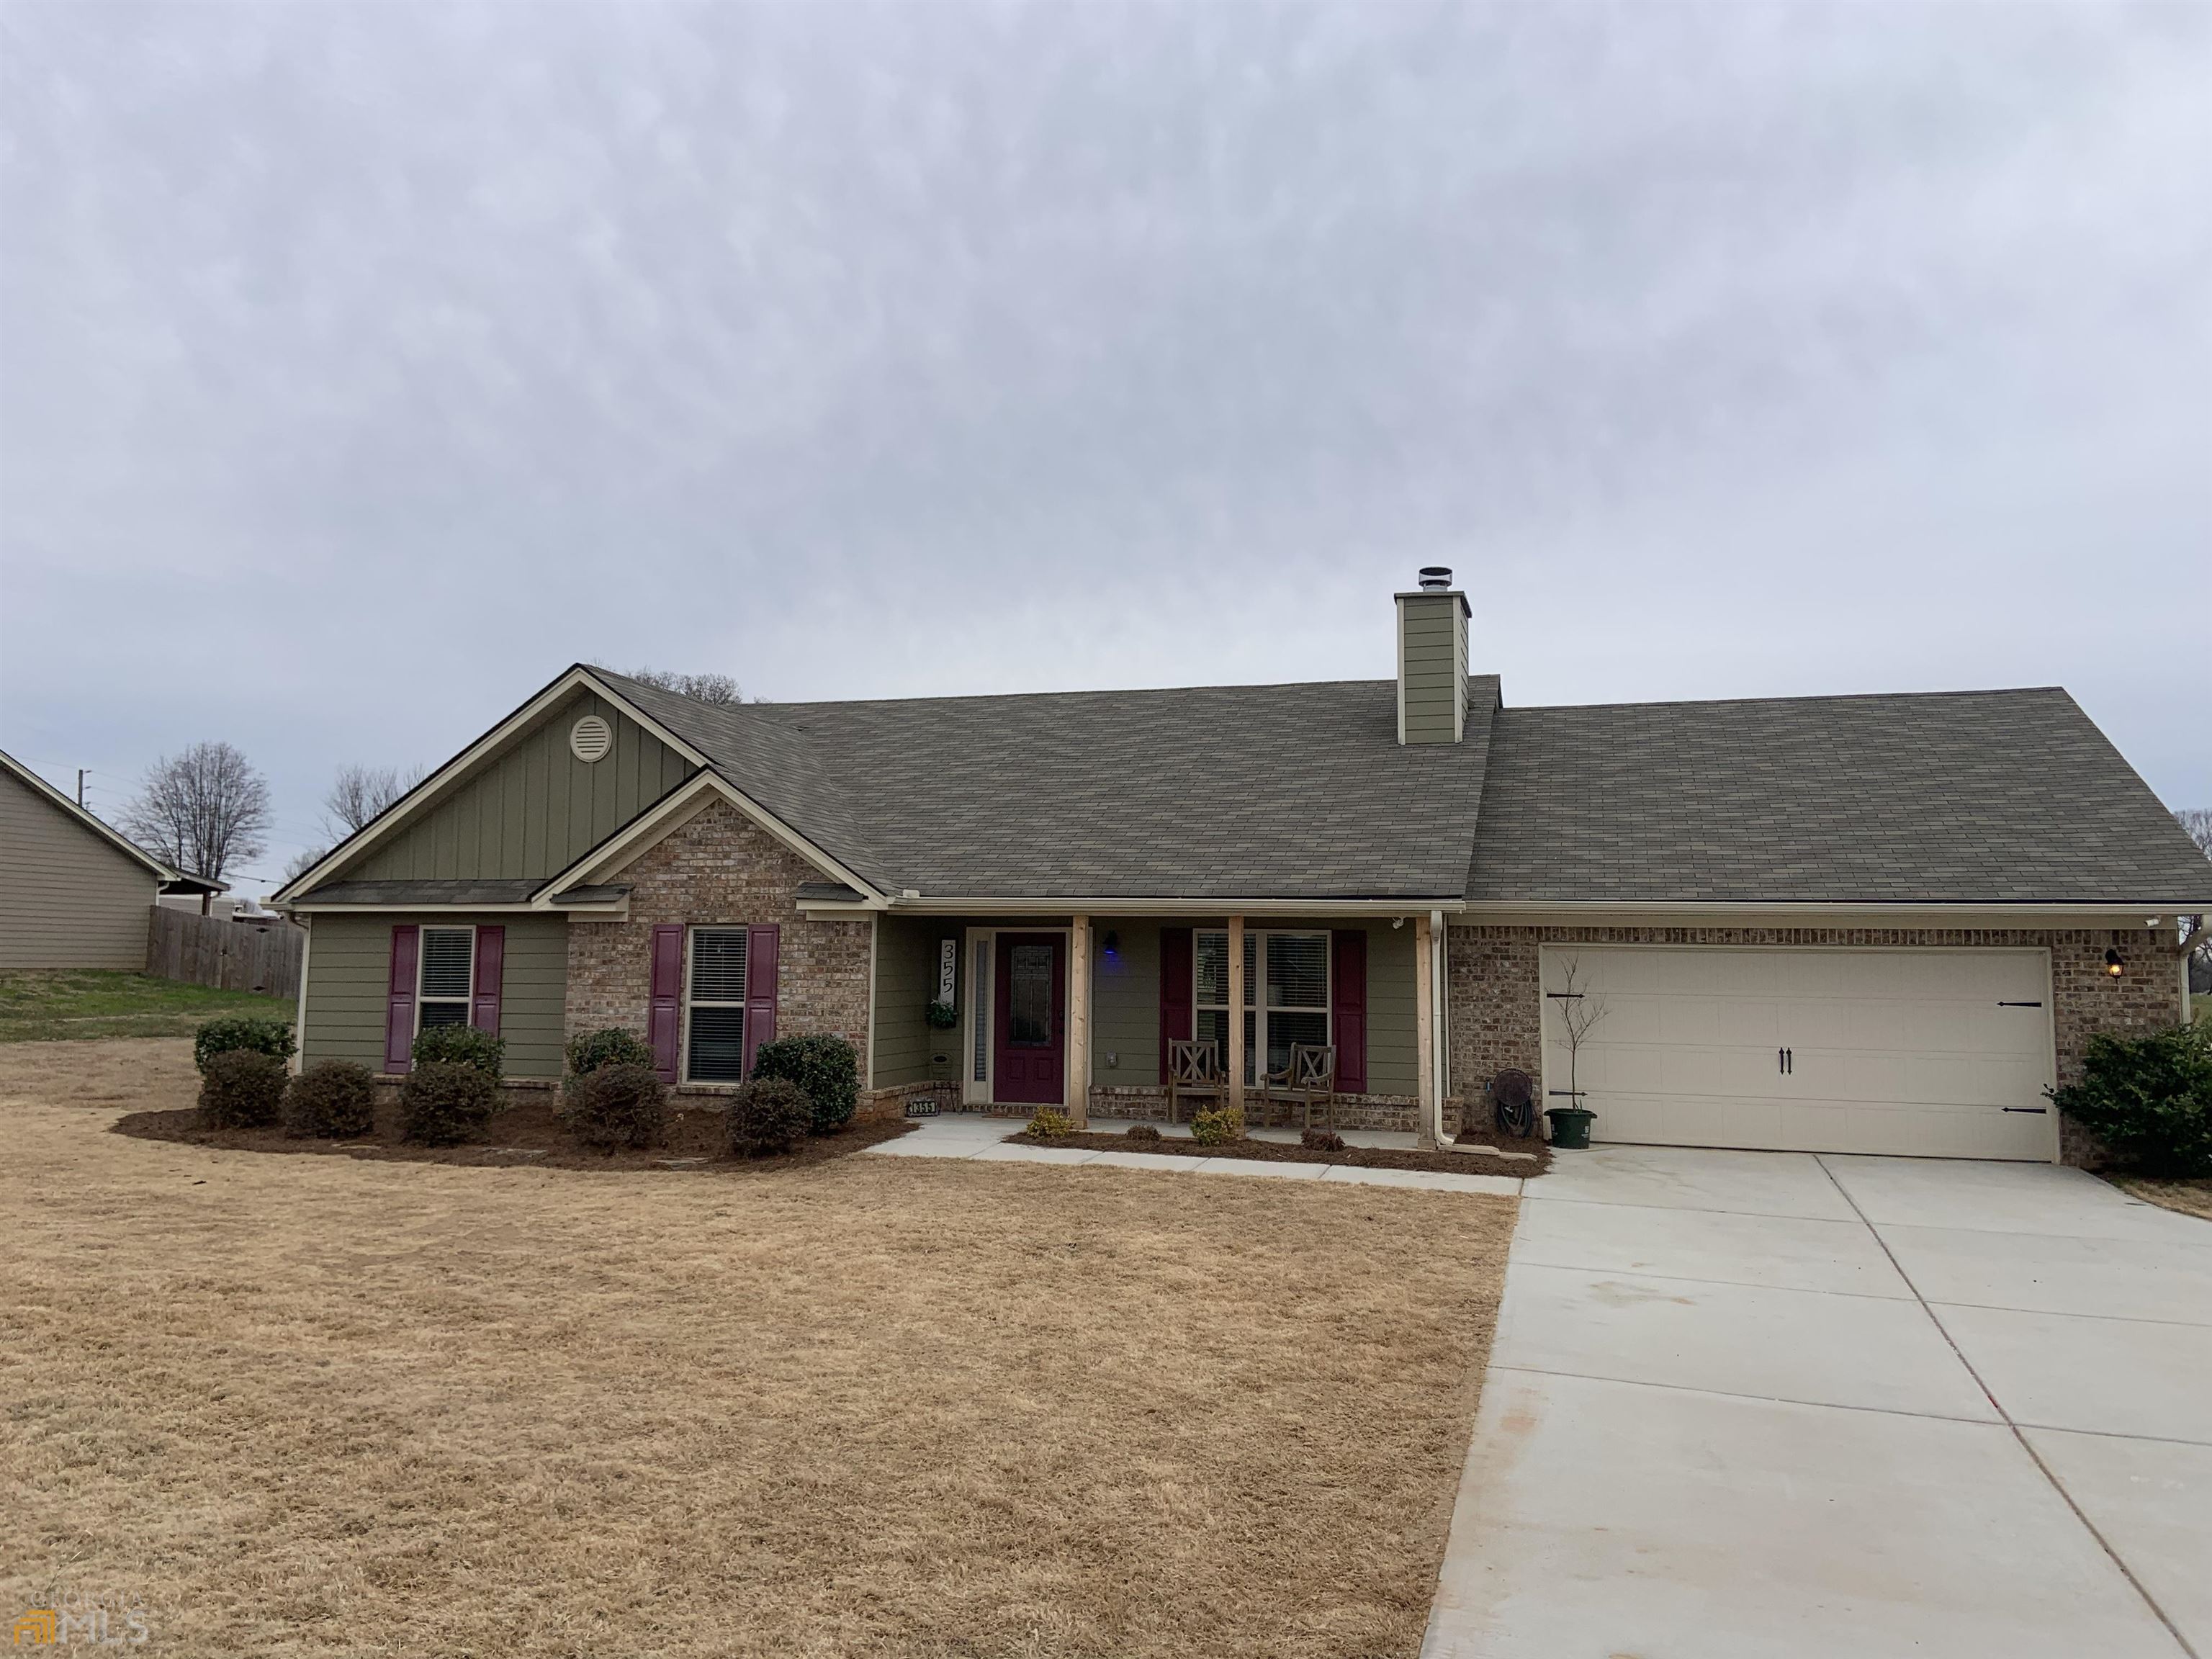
{"points": [[1309, 1077], [1193, 1069]]}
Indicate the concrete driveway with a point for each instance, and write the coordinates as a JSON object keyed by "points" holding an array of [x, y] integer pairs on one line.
{"points": [[1770, 1404]]}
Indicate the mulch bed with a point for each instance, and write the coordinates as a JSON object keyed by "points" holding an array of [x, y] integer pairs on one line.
{"points": [[1274, 1151], [527, 1134]]}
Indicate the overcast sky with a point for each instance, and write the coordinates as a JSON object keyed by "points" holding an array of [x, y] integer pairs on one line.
{"points": [[365, 366]]}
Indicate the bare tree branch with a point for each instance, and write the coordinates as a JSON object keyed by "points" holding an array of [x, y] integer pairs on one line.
{"points": [[702, 688], [361, 794], [202, 811]]}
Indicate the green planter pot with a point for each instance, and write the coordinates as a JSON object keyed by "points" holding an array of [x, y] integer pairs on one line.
{"points": [[1570, 1127]]}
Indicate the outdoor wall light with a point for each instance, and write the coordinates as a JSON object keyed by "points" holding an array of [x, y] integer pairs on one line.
{"points": [[1113, 942], [2113, 965]]}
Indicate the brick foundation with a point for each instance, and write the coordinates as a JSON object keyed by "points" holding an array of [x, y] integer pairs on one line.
{"points": [[722, 870], [1496, 1001], [1150, 1104]]}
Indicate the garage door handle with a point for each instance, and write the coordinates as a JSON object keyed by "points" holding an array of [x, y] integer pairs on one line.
{"points": [[2019, 1004], [1784, 1061], [2038, 1110]]}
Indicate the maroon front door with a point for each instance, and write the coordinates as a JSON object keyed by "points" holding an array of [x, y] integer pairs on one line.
{"points": [[1032, 1021]]}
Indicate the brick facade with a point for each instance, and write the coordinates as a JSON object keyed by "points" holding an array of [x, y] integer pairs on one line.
{"points": [[1496, 1001], [721, 869]]}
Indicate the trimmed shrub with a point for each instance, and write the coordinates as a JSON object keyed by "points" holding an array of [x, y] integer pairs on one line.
{"points": [[2147, 1099], [332, 1098], [1321, 1140], [1049, 1123], [769, 1114], [241, 1088], [1140, 1132], [826, 1069], [446, 1101], [1218, 1128], [618, 1105], [234, 1032], [462, 1045], [612, 1047]]}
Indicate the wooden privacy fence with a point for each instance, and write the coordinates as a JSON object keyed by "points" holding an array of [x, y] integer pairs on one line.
{"points": [[227, 955]]}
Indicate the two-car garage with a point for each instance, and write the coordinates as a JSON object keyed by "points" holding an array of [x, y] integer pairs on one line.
{"points": [[1933, 1053]]}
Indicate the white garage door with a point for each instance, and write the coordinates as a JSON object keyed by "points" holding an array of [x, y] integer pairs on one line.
{"points": [[1932, 1054]]}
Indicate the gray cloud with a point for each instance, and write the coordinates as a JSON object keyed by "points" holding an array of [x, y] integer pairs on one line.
{"points": [[366, 365]]}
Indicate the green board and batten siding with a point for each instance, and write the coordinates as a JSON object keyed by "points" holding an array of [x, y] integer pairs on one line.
{"points": [[533, 810], [530, 811], [349, 975]]}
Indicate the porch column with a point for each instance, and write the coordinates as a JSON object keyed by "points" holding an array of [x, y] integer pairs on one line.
{"points": [[1237, 1013], [1079, 1022], [1425, 1034]]}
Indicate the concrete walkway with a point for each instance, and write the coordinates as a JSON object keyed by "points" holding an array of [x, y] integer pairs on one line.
{"points": [[1747, 1404], [973, 1135]]}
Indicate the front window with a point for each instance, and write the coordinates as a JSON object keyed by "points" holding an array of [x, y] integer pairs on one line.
{"points": [[448, 974], [715, 1017], [1285, 1003]]}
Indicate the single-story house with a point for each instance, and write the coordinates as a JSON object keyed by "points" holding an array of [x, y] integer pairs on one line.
{"points": [[74, 892], [1875, 924]]}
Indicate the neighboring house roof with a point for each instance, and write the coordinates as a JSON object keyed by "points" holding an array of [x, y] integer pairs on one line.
{"points": [[1992, 796], [172, 881], [1297, 791]]}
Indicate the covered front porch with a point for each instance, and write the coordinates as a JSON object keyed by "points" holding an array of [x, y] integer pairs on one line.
{"points": [[1005, 1014]]}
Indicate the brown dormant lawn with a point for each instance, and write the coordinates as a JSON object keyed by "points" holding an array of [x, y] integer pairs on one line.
{"points": [[871, 1406]]}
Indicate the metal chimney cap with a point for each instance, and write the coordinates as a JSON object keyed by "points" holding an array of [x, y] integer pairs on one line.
{"points": [[1436, 577]]}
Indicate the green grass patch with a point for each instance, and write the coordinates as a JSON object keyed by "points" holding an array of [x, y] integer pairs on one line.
{"points": [[83, 1002]]}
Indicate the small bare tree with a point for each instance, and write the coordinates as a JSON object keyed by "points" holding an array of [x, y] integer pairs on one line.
{"points": [[719, 688], [361, 794], [1581, 1012], [302, 861], [203, 812]]}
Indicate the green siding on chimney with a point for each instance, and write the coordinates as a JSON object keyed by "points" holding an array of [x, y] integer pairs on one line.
{"points": [[1432, 666]]}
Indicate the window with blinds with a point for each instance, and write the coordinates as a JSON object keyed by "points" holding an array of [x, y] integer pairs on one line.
{"points": [[447, 972], [1286, 993], [715, 1046]]}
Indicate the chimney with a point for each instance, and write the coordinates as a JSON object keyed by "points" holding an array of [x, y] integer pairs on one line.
{"points": [[1432, 661]]}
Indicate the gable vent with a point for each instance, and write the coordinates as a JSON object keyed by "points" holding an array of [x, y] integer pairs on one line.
{"points": [[590, 738]]}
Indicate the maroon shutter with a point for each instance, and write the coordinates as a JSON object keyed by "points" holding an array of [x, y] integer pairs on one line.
{"points": [[665, 1021], [1174, 991], [760, 945], [491, 961], [399, 1004], [1348, 1008]]}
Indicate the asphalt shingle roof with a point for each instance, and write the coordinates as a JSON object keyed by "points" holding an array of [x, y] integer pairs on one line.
{"points": [[1247, 790], [1304, 792], [1996, 797]]}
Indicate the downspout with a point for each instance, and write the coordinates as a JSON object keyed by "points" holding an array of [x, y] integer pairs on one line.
{"points": [[307, 926], [1439, 1073]]}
